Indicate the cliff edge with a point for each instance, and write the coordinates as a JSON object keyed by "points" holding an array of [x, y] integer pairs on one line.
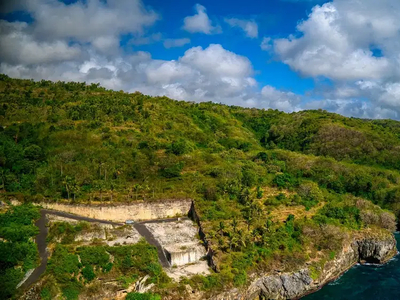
{"points": [[294, 285]]}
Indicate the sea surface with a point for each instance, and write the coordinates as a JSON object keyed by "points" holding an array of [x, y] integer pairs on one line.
{"points": [[368, 282]]}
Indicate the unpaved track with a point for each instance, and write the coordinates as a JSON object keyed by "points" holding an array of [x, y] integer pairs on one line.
{"points": [[40, 239]]}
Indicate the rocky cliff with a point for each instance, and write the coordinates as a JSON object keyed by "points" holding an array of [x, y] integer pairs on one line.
{"points": [[297, 284], [137, 211]]}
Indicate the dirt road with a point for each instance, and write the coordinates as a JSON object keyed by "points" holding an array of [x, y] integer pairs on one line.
{"points": [[43, 231]]}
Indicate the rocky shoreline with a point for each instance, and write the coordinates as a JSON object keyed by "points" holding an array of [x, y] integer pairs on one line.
{"points": [[299, 284]]}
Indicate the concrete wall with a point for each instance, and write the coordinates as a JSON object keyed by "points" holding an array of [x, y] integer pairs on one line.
{"points": [[180, 258], [120, 213], [210, 252]]}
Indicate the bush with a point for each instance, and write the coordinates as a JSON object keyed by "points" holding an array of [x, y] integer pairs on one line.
{"points": [[180, 147], [63, 264], [144, 296], [95, 256], [345, 215], [172, 171], [284, 180], [88, 273], [71, 290], [18, 252]]}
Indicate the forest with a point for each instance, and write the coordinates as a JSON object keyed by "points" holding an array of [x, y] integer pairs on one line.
{"points": [[268, 185]]}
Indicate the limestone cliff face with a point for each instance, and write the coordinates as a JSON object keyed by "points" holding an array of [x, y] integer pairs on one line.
{"points": [[120, 212], [374, 251], [297, 284]]}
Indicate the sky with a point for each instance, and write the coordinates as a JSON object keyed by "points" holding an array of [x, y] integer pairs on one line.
{"points": [[340, 55]]}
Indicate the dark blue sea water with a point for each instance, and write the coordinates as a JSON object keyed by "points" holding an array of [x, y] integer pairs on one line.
{"points": [[365, 283]]}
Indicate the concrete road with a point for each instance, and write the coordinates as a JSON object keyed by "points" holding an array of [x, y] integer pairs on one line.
{"points": [[40, 240], [43, 231]]}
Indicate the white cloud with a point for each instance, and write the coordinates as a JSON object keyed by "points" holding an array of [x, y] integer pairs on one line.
{"points": [[200, 22], [106, 44], [250, 27], [337, 40], [146, 40], [94, 21], [171, 43], [266, 44], [215, 60], [334, 42], [82, 21], [277, 99], [328, 48], [18, 46]]}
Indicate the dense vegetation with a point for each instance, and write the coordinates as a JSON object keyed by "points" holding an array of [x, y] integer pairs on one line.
{"points": [[18, 252], [272, 189], [71, 270]]}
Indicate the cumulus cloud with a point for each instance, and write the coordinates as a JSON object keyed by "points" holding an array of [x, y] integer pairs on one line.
{"points": [[282, 100], [18, 46], [171, 43], [266, 44], [338, 41], [200, 22], [97, 22], [82, 21], [250, 27], [210, 74], [329, 47], [11, 6], [146, 40]]}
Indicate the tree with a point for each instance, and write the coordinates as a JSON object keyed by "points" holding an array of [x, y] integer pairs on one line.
{"points": [[67, 184], [137, 188]]}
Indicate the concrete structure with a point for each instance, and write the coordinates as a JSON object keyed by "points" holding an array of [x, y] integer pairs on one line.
{"points": [[181, 255], [136, 211], [179, 241]]}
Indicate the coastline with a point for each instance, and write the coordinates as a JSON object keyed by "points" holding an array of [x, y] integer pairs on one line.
{"points": [[298, 284]]}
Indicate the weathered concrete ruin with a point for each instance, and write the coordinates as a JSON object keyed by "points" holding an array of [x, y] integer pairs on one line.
{"points": [[164, 224], [179, 241]]}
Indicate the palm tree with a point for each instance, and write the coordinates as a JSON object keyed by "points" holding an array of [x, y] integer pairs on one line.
{"points": [[67, 183], [137, 188], [234, 242], [234, 224], [2, 173], [242, 238], [221, 228], [145, 188]]}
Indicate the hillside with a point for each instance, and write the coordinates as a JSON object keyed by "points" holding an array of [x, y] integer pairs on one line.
{"points": [[273, 190]]}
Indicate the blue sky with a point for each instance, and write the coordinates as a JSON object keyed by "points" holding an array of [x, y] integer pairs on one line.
{"points": [[338, 55], [275, 18]]}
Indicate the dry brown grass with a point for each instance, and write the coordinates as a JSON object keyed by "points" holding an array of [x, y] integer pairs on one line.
{"points": [[282, 212]]}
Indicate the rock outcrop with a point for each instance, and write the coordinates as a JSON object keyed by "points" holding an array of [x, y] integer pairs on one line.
{"points": [[297, 284], [373, 251]]}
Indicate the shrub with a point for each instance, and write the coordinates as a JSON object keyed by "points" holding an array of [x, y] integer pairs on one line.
{"points": [[388, 221], [63, 264], [172, 171], [180, 147], [284, 180], [88, 273], [71, 290], [144, 296], [95, 256]]}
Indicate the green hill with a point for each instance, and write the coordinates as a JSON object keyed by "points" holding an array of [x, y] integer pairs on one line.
{"points": [[247, 169]]}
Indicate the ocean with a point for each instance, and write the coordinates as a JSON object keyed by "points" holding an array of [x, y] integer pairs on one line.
{"points": [[365, 282]]}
